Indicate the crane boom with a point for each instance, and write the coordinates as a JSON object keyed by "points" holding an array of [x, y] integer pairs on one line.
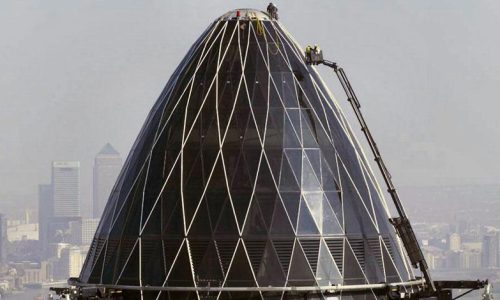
{"points": [[314, 56]]}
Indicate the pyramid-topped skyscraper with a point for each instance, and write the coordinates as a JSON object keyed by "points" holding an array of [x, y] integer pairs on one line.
{"points": [[245, 175]]}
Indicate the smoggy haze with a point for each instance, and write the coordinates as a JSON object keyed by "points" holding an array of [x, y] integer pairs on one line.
{"points": [[77, 74]]}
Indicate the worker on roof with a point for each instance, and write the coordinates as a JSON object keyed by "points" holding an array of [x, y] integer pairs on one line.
{"points": [[272, 10]]}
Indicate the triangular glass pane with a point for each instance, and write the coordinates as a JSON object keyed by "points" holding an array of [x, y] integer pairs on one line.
{"points": [[201, 226], [266, 204], [128, 219], [225, 251], [352, 268], [356, 217], [288, 181], [172, 223], [227, 221], [284, 248], [294, 157], [239, 121], [259, 100], [300, 273], [314, 157], [255, 224], [328, 180], [228, 87], [391, 272], [255, 250], [327, 272], [291, 200], [110, 259], [306, 222], [94, 274], [310, 180], [130, 273], [309, 135], [240, 272], [335, 202], [265, 191], [336, 247], [291, 131], [288, 94], [373, 266], [158, 169], [180, 275], [275, 158], [125, 250], [252, 156], [198, 249], [152, 222], [170, 250], [253, 137], [208, 271], [274, 130], [194, 181], [315, 204], [311, 250], [281, 224], [270, 271], [153, 265], [170, 204], [330, 223], [274, 95]]}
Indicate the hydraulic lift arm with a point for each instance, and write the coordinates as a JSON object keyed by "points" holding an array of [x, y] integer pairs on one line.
{"points": [[314, 56], [438, 289]]}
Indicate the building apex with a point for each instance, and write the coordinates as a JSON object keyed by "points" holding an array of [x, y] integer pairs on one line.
{"points": [[108, 149]]}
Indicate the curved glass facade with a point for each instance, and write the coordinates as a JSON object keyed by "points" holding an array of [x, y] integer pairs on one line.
{"points": [[245, 174]]}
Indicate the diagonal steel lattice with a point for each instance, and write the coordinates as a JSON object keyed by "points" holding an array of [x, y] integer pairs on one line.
{"points": [[245, 174]]}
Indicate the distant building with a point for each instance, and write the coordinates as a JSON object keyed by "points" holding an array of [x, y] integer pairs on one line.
{"points": [[455, 242], [66, 188], [490, 249], [107, 166], [470, 260], [3, 239], [45, 213], [69, 263], [36, 273], [89, 227], [59, 206], [23, 232]]}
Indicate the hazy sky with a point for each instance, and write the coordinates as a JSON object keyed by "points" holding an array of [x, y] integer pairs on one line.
{"points": [[77, 74]]}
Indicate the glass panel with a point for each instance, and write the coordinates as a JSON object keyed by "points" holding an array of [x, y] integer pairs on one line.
{"points": [[315, 205], [327, 272], [352, 268], [291, 132], [270, 272], [281, 223], [292, 129], [255, 224], [300, 273], [289, 94], [240, 272], [180, 275], [153, 265], [306, 225], [310, 181], [291, 200], [330, 223]]}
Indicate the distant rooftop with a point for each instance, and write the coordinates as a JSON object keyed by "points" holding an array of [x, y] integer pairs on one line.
{"points": [[109, 150]]}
